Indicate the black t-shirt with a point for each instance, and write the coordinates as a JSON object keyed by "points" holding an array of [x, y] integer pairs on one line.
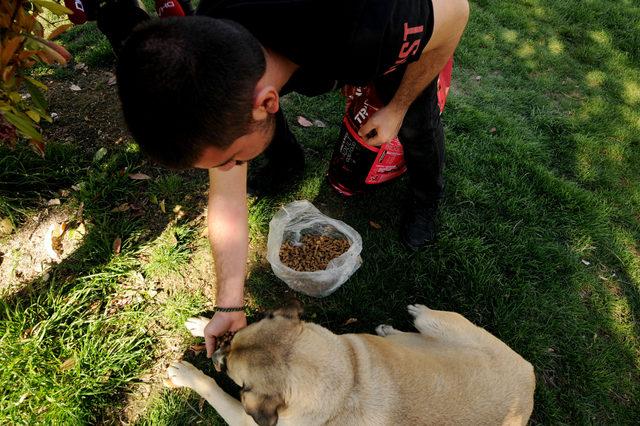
{"points": [[351, 41]]}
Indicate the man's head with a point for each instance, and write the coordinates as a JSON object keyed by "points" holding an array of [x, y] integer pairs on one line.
{"points": [[190, 94]]}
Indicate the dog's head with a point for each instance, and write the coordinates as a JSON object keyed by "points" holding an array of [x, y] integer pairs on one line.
{"points": [[258, 360]]}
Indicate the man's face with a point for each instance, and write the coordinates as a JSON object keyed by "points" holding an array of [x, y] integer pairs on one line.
{"points": [[243, 149]]}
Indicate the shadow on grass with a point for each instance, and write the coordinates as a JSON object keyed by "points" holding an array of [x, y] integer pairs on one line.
{"points": [[74, 321]]}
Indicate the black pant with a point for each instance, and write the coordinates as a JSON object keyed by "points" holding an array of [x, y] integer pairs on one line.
{"points": [[421, 135]]}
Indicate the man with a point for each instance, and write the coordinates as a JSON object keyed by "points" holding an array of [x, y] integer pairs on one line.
{"points": [[204, 92]]}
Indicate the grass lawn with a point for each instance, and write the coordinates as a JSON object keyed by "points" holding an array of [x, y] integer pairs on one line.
{"points": [[539, 232]]}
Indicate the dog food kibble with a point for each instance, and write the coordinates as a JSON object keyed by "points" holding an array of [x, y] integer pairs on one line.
{"points": [[225, 339], [313, 253]]}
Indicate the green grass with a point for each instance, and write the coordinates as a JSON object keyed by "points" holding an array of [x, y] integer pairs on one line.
{"points": [[538, 243]]}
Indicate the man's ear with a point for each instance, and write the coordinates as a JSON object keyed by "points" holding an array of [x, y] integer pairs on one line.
{"points": [[266, 101], [263, 408]]}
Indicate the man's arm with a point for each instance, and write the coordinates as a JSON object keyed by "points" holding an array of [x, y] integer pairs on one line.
{"points": [[450, 19], [227, 219]]}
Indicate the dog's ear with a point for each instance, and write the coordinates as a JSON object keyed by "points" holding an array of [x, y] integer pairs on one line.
{"points": [[293, 310], [263, 408], [220, 359]]}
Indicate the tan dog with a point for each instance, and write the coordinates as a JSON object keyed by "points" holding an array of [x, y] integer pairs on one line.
{"points": [[298, 373]]}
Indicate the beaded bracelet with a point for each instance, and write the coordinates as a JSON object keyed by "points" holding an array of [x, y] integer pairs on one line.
{"points": [[233, 309]]}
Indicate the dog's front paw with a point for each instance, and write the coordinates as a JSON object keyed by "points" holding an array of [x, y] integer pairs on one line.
{"points": [[181, 374], [417, 310], [196, 326], [385, 330]]}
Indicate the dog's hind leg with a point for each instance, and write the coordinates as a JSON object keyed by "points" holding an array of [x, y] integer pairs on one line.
{"points": [[386, 330], [196, 326], [183, 374], [444, 325]]}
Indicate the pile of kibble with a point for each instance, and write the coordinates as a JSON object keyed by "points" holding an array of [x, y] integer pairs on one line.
{"points": [[313, 253]]}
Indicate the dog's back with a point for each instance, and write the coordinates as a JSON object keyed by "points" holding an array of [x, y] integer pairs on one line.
{"points": [[452, 372]]}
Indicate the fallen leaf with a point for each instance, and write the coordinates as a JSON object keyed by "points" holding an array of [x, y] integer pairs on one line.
{"points": [[53, 202], [80, 66], [64, 192], [99, 155], [75, 88], [375, 225], [22, 398], [137, 210], [6, 226], [197, 348], [304, 122], [350, 321], [586, 262], [162, 207], [493, 130], [112, 81], [53, 240], [177, 209], [37, 146], [51, 243], [139, 176], [78, 186], [201, 404], [478, 78], [26, 334], [319, 123], [121, 208], [68, 364], [117, 245]]}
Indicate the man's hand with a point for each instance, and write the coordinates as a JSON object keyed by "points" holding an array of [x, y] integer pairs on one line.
{"points": [[383, 125], [220, 324]]}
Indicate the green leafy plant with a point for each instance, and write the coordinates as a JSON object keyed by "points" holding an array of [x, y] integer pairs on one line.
{"points": [[22, 45]]}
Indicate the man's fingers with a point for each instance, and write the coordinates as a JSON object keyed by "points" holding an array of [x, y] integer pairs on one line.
{"points": [[366, 129], [375, 141], [210, 344]]}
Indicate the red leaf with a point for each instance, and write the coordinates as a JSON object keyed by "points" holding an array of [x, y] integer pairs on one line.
{"points": [[37, 146], [9, 49], [117, 245], [61, 29]]}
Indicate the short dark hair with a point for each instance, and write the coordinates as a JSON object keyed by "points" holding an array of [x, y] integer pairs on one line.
{"points": [[186, 83]]}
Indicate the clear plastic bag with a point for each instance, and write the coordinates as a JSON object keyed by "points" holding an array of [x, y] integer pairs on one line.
{"points": [[300, 218]]}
